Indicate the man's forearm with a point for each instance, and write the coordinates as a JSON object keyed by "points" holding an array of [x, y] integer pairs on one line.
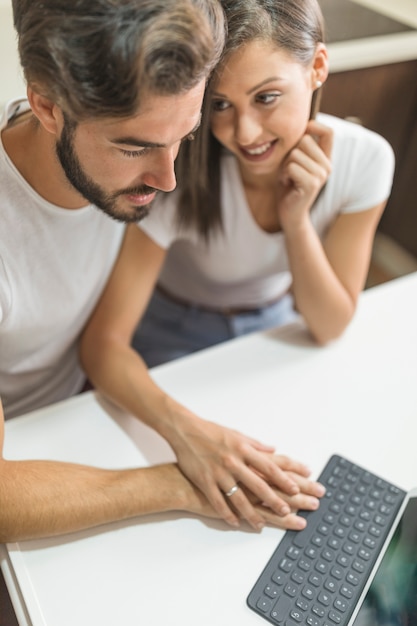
{"points": [[46, 498]]}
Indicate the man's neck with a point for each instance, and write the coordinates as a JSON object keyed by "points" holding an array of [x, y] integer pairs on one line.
{"points": [[32, 151]]}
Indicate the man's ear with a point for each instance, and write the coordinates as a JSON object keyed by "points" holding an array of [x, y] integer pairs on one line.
{"points": [[320, 66], [47, 112]]}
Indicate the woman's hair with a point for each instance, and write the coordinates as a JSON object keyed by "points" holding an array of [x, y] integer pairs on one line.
{"points": [[294, 26], [95, 58]]}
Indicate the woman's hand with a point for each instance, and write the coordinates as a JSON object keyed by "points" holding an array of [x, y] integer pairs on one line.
{"points": [[304, 172], [270, 487]]}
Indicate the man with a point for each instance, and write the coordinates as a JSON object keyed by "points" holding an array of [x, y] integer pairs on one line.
{"points": [[114, 87]]}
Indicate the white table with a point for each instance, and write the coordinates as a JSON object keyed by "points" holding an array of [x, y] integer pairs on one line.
{"points": [[357, 397]]}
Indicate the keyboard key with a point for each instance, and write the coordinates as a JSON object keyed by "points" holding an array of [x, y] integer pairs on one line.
{"points": [[352, 578], [308, 592], [264, 604], [318, 610], [278, 577], [291, 590], [298, 577], [272, 591], [337, 572], [330, 584], [315, 579], [346, 592], [301, 538], [281, 608], [296, 616], [293, 552], [302, 604], [340, 605], [335, 617], [285, 565], [325, 598]]}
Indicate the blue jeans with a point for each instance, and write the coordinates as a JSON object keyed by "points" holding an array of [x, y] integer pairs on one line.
{"points": [[170, 330]]}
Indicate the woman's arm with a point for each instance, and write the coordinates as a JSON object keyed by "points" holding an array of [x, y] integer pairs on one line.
{"points": [[328, 276], [213, 457]]}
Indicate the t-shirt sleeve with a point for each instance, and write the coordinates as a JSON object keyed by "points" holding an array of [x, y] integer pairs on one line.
{"points": [[161, 224], [369, 171]]}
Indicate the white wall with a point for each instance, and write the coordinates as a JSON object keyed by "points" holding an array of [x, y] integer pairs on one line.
{"points": [[11, 80]]}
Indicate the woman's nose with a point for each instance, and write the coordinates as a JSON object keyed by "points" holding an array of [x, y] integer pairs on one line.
{"points": [[247, 129]]}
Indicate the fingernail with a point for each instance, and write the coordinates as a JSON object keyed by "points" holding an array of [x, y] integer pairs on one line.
{"points": [[321, 489], [260, 526], [301, 523], [285, 510], [294, 490]]}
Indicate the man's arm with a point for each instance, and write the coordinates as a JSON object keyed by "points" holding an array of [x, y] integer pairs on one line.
{"points": [[46, 498]]}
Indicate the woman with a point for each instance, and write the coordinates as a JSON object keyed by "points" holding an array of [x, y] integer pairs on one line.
{"points": [[269, 202]]}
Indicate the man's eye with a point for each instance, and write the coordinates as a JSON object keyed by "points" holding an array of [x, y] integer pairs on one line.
{"points": [[134, 153]]}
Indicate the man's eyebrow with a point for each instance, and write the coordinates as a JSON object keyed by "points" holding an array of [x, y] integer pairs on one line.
{"points": [[141, 143], [134, 141]]}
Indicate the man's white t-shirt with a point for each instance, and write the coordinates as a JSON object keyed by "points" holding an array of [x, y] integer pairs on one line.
{"points": [[54, 263], [244, 266]]}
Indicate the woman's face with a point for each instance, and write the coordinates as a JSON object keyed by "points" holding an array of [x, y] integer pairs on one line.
{"points": [[261, 105]]}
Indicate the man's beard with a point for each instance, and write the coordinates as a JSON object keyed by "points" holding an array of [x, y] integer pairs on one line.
{"points": [[88, 188]]}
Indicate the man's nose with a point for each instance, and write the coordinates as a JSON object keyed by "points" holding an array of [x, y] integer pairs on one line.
{"points": [[160, 169]]}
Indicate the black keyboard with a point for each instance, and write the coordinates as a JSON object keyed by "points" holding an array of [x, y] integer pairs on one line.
{"points": [[316, 576]]}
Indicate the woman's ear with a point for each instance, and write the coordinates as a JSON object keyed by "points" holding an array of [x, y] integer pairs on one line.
{"points": [[47, 112], [320, 66]]}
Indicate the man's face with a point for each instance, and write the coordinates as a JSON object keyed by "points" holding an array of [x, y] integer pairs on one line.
{"points": [[120, 164]]}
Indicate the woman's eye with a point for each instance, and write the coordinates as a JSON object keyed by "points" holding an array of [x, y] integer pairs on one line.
{"points": [[267, 98], [220, 105]]}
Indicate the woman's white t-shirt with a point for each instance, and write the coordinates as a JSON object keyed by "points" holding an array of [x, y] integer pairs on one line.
{"points": [[245, 266]]}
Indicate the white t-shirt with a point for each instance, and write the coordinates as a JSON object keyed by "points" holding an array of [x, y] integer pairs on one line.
{"points": [[244, 265], [54, 263]]}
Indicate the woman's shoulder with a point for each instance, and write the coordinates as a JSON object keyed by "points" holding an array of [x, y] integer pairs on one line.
{"points": [[358, 149], [350, 134]]}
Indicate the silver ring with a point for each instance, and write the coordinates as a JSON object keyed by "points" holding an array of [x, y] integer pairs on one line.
{"points": [[232, 491]]}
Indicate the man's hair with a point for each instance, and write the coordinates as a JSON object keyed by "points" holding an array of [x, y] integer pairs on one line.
{"points": [[95, 58]]}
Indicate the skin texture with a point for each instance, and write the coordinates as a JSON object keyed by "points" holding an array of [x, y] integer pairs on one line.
{"points": [[261, 108]]}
